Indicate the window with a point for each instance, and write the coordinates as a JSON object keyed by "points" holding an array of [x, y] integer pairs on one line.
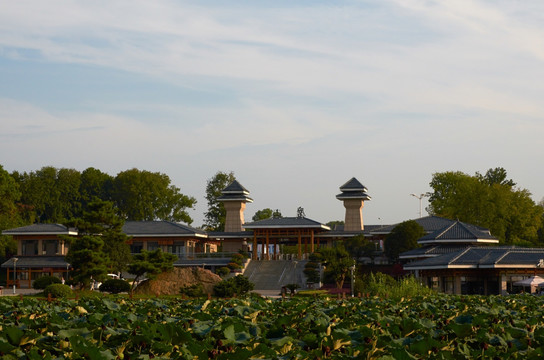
{"points": [[30, 247], [152, 245], [136, 247], [50, 247]]}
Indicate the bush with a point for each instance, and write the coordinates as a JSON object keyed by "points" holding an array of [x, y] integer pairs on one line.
{"points": [[234, 266], [237, 258], [195, 290], [44, 281], [222, 271], [384, 286], [58, 291], [238, 285], [115, 286]]}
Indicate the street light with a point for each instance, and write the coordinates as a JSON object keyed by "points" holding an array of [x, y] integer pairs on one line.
{"points": [[420, 197], [352, 279], [14, 273]]}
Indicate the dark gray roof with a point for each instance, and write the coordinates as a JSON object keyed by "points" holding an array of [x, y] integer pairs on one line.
{"points": [[353, 189], [37, 262], [230, 235], [286, 223], [353, 185], [483, 257], [428, 223], [41, 229], [160, 228], [431, 251], [459, 232], [236, 187], [235, 192]]}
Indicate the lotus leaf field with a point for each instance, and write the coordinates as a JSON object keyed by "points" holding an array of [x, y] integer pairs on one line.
{"points": [[438, 326]]}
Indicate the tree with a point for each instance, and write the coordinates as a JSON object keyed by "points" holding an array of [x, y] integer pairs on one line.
{"points": [[214, 218], [87, 260], [95, 184], [338, 263], [491, 201], [359, 246], [403, 238], [101, 219], [10, 215], [150, 264], [335, 223], [52, 193], [266, 214], [143, 195]]}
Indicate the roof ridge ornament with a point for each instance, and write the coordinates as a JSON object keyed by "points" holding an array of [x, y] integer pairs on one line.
{"points": [[300, 212]]}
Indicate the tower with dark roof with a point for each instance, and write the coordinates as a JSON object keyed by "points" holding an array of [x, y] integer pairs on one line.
{"points": [[353, 196], [234, 197]]}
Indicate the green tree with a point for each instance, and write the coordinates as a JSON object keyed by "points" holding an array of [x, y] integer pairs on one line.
{"points": [[402, 238], [100, 219], [266, 214], [95, 184], [52, 193], [338, 263], [491, 201], [10, 215], [335, 223], [359, 246], [143, 195], [150, 264], [87, 260], [214, 218]]}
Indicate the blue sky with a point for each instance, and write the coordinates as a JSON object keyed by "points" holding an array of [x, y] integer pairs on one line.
{"points": [[294, 97]]}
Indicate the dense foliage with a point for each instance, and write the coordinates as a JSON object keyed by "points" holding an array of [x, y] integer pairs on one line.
{"points": [[214, 218], [115, 286], [428, 327], [150, 264], [44, 281], [52, 195], [236, 285], [491, 201], [57, 291], [403, 238]]}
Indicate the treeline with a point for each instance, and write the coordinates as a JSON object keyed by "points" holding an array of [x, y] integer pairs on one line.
{"points": [[52, 195]]}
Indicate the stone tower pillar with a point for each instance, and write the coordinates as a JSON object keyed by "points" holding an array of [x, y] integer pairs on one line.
{"points": [[234, 198], [353, 195]]}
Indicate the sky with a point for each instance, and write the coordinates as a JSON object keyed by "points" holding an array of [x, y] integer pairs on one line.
{"points": [[294, 97]]}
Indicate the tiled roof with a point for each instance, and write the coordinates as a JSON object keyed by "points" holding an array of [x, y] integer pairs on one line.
{"points": [[286, 222], [41, 229], [235, 192], [431, 251], [459, 232], [353, 189], [230, 235], [428, 223], [235, 186], [483, 257], [353, 185], [37, 262], [160, 228]]}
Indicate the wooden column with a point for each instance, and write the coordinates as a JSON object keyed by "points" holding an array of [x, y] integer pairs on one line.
{"points": [[267, 245], [275, 248], [305, 245], [299, 246], [312, 249], [254, 245]]}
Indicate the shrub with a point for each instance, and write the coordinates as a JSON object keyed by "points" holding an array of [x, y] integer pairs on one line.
{"points": [[222, 271], [234, 266], [383, 285], [239, 285], [292, 287], [44, 281], [237, 258], [115, 286], [58, 291], [195, 290]]}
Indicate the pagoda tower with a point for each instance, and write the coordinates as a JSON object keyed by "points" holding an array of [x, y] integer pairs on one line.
{"points": [[353, 195], [234, 197]]}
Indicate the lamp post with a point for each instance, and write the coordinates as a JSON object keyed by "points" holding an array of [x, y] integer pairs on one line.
{"points": [[352, 279], [419, 197], [14, 273]]}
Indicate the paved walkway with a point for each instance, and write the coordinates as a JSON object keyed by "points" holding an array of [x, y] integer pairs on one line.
{"points": [[9, 292]]}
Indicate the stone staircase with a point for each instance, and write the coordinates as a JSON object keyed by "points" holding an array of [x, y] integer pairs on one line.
{"points": [[274, 274]]}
